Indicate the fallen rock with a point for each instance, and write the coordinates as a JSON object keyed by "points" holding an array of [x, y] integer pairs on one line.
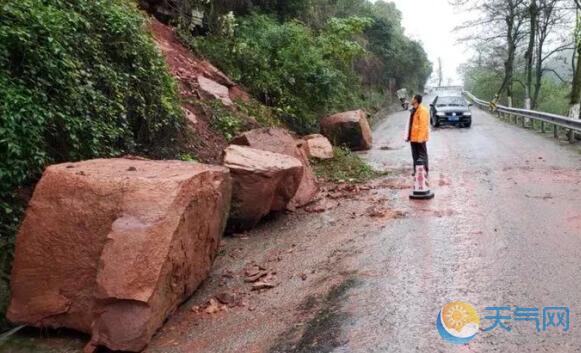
{"points": [[262, 182], [228, 298], [190, 116], [112, 252], [375, 211], [214, 307], [349, 128], [265, 283], [253, 277], [318, 146], [214, 90], [321, 205], [279, 140]]}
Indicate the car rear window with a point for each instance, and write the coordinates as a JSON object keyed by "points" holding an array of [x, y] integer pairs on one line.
{"points": [[450, 101]]}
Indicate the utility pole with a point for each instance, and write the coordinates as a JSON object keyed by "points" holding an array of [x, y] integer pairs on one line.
{"points": [[440, 76]]}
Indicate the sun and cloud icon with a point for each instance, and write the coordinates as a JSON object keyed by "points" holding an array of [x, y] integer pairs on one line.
{"points": [[458, 322]]}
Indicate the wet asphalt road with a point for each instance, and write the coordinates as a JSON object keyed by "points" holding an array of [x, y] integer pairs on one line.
{"points": [[503, 230], [507, 232]]}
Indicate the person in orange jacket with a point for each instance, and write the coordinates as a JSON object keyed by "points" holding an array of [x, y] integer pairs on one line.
{"points": [[419, 131]]}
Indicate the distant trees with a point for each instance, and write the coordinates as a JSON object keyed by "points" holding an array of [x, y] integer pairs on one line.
{"points": [[532, 36], [288, 66], [499, 21], [308, 57]]}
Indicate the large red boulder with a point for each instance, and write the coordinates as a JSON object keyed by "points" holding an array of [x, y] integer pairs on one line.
{"points": [[349, 128], [279, 140], [111, 247], [262, 182], [318, 146]]}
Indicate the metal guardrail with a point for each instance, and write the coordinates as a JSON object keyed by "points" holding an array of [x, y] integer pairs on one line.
{"points": [[531, 115]]}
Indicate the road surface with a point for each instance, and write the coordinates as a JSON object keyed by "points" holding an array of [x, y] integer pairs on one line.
{"points": [[371, 272], [509, 233]]}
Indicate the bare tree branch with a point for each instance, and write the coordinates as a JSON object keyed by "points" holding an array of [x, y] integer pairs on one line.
{"points": [[557, 50], [556, 74]]}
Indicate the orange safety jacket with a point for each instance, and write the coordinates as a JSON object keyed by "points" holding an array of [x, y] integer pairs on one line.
{"points": [[419, 130]]}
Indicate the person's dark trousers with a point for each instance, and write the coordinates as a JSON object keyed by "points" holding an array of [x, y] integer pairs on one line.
{"points": [[420, 150]]}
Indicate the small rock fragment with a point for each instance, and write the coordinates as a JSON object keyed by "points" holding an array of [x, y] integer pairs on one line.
{"points": [[262, 285], [213, 307]]}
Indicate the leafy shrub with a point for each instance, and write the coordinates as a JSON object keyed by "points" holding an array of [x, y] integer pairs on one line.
{"points": [[345, 166], [227, 123], [289, 66], [78, 79], [265, 116], [554, 97]]}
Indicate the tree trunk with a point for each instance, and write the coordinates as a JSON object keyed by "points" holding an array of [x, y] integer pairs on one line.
{"points": [[508, 63], [511, 48], [533, 12], [538, 79], [574, 109]]}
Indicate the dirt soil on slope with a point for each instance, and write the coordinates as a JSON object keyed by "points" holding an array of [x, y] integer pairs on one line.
{"points": [[204, 141]]}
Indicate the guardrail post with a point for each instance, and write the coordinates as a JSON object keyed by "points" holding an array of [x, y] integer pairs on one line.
{"points": [[556, 131], [542, 126], [571, 135]]}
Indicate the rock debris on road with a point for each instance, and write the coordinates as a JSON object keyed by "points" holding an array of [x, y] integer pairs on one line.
{"points": [[370, 270]]}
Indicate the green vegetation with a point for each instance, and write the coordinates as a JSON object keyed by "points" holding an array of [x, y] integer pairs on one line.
{"points": [[287, 66], [308, 59], [346, 166], [553, 95], [230, 121], [82, 79], [225, 120], [78, 79]]}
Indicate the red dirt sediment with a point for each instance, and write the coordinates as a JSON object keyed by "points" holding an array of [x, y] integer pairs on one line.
{"points": [[205, 142]]}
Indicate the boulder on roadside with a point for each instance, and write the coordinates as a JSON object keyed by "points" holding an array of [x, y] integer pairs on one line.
{"points": [[349, 128], [318, 146], [111, 247], [262, 182], [279, 140]]}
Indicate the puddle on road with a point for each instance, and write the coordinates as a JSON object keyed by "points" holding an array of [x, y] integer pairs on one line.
{"points": [[322, 333]]}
